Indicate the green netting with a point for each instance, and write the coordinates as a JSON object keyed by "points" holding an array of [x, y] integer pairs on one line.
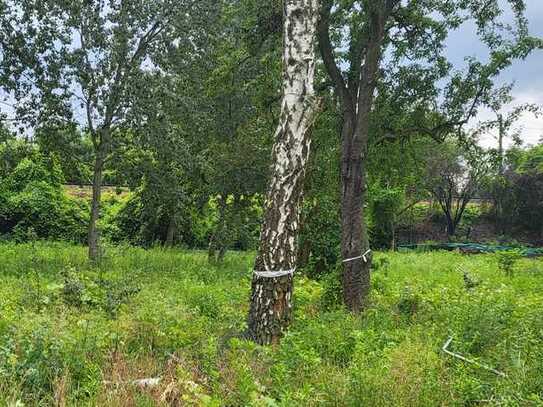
{"points": [[472, 248]]}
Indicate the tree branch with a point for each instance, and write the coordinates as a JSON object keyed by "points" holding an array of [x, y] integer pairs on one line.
{"points": [[327, 54]]}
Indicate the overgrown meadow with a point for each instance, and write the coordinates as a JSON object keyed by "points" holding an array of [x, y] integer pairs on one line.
{"points": [[74, 334]]}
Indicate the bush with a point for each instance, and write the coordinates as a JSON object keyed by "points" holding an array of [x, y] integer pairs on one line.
{"points": [[507, 260], [131, 220], [409, 303], [332, 296], [320, 238], [31, 198], [44, 208]]}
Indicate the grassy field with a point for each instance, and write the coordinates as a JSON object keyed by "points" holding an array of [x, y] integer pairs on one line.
{"points": [[71, 334]]}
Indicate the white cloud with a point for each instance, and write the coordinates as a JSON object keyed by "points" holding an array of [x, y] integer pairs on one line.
{"points": [[529, 126]]}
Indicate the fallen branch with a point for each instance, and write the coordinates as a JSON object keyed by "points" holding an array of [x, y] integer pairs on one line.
{"points": [[458, 356]]}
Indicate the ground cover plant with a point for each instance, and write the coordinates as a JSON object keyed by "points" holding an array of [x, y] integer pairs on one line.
{"points": [[76, 334], [237, 203]]}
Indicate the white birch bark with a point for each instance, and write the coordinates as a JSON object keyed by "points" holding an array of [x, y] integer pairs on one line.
{"points": [[271, 297]]}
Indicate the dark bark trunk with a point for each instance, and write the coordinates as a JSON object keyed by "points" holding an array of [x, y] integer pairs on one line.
{"points": [[217, 245], [354, 237], [304, 251], [499, 190], [94, 232], [451, 228], [393, 233], [170, 234], [271, 309], [356, 99], [354, 242], [211, 249], [221, 254]]}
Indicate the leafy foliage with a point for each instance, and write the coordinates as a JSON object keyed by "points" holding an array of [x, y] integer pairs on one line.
{"points": [[507, 261], [454, 177], [32, 199]]}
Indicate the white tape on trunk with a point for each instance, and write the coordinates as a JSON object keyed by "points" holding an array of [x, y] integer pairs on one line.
{"points": [[273, 274], [359, 257]]}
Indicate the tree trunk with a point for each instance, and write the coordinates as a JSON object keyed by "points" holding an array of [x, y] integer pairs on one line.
{"points": [[356, 96], [451, 227], [354, 236], [271, 309], [170, 234], [393, 233], [216, 241], [211, 249], [305, 246], [354, 239], [499, 190], [94, 233]]}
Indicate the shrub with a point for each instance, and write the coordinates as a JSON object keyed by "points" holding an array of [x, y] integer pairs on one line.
{"points": [[31, 198], [409, 302], [320, 238], [507, 260], [73, 289], [332, 295]]}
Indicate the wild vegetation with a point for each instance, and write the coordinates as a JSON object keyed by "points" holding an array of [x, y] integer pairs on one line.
{"points": [[222, 202], [75, 334]]}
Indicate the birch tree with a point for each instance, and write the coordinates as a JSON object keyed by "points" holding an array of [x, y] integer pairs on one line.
{"points": [[272, 285]]}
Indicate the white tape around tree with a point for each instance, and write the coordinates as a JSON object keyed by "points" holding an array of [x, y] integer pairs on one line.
{"points": [[273, 274], [359, 257]]}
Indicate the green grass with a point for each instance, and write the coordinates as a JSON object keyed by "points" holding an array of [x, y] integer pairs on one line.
{"points": [[71, 334]]}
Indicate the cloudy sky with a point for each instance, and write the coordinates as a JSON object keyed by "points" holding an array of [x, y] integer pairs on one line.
{"points": [[527, 75]]}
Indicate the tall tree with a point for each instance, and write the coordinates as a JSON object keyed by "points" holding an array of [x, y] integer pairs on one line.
{"points": [[413, 35], [503, 125], [243, 95], [272, 285], [455, 174], [83, 58]]}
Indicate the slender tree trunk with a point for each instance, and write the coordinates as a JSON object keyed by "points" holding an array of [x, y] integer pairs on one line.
{"points": [[271, 309], [451, 229], [501, 130], [393, 233], [221, 254], [94, 232], [305, 246], [216, 241], [451, 226], [170, 234], [211, 250], [499, 192]]}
